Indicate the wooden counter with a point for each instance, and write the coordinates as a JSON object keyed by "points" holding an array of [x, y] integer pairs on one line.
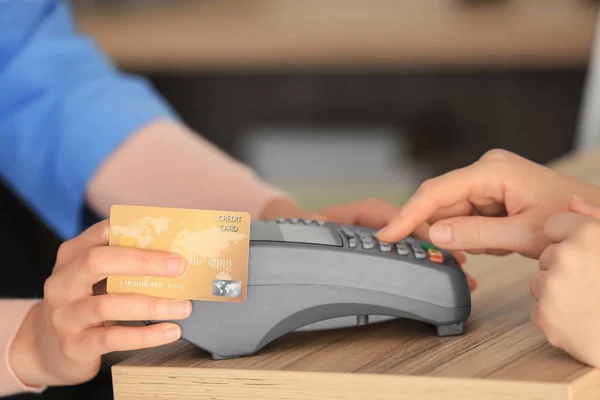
{"points": [[501, 356], [291, 34]]}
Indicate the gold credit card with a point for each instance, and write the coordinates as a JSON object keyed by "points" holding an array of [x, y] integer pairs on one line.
{"points": [[215, 245]]}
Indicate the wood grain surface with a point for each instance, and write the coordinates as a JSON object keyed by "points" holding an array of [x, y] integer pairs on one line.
{"points": [[501, 356], [291, 34]]}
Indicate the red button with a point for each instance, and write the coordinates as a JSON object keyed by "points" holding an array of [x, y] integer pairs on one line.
{"points": [[436, 256]]}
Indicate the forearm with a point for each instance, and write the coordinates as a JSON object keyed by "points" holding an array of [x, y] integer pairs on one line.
{"points": [[165, 164], [64, 110], [17, 346], [90, 134]]}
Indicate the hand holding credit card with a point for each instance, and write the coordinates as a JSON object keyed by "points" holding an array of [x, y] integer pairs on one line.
{"points": [[215, 245]]}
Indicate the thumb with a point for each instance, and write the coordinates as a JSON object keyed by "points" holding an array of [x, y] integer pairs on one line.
{"points": [[480, 233], [579, 206]]}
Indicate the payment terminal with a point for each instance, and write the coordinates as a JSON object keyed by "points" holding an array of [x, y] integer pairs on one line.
{"points": [[315, 275]]}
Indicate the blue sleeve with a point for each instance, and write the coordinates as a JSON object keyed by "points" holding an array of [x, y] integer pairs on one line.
{"points": [[63, 109]]}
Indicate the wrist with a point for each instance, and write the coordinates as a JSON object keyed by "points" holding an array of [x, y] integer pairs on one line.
{"points": [[24, 356]]}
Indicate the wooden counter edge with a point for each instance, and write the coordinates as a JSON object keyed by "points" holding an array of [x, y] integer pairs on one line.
{"points": [[135, 383]]}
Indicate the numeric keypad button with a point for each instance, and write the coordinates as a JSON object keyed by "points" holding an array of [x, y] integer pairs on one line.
{"points": [[420, 254], [385, 247], [365, 236], [368, 244], [348, 233], [402, 249]]}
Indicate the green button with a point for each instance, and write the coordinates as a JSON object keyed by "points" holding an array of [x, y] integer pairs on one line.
{"points": [[426, 246]]}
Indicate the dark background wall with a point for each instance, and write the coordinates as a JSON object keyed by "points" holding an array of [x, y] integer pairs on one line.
{"points": [[442, 114]]}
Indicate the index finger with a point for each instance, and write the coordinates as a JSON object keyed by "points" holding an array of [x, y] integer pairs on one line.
{"points": [[443, 191], [101, 262]]}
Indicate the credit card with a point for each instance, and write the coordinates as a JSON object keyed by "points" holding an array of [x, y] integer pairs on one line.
{"points": [[215, 245]]}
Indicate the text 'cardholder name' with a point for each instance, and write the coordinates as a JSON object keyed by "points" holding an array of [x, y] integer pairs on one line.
{"points": [[215, 245]]}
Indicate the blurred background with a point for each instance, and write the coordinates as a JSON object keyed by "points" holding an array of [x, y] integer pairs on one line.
{"points": [[338, 100]]}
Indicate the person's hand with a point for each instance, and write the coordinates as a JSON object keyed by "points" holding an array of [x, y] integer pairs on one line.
{"points": [[370, 213], [497, 205], [63, 337], [567, 286]]}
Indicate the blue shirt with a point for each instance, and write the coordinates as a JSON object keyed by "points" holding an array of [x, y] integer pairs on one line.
{"points": [[63, 109]]}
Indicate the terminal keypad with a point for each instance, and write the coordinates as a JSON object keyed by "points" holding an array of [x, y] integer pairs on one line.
{"points": [[360, 239], [407, 247]]}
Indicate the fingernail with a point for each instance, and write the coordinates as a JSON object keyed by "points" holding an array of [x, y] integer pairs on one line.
{"points": [[441, 233], [172, 332], [175, 265], [181, 307]]}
